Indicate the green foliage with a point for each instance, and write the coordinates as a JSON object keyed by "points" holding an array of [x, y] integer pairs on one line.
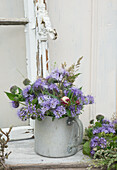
{"points": [[86, 148], [88, 132], [15, 97], [104, 157], [98, 124], [68, 112], [73, 69]]}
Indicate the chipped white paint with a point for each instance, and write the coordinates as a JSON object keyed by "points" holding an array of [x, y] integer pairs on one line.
{"points": [[37, 31], [43, 29]]}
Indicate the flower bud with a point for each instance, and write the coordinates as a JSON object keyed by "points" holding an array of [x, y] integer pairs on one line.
{"points": [[15, 104], [13, 89], [65, 100], [26, 82], [77, 102]]}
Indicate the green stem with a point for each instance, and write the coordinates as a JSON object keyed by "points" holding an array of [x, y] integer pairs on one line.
{"points": [[22, 103]]}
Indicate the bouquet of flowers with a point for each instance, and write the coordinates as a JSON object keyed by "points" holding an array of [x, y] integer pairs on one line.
{"points": [[54, 96]]}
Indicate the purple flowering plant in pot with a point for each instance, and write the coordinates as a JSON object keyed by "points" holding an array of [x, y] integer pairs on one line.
{"points": [[100, 143], [55, 96]]}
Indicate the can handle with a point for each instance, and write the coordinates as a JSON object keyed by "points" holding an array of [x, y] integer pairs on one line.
{"points": [[79, 137]]}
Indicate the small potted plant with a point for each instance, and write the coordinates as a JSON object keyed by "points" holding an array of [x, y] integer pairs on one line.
{"points": [[55, 103], [100, 143]]}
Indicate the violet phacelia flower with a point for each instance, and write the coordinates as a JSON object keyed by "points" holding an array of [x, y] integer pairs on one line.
{"points": [[53, 96]]}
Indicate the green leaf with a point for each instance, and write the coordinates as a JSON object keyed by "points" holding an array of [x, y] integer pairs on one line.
{"points": [[69, 94], [20, 90], [15, 97], [89, 132], [98, 124], [38, 118], [68, 112], [34, 101], [86, 148], [76, 75], [12, 97], [115, 138], [45, 92], [80, 88], [53, 118]]}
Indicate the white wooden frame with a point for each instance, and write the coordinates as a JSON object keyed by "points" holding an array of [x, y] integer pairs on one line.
{"points": [[37, 30]]}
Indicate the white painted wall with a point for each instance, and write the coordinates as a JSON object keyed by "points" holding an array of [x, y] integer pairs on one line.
{"points": [[106, 57], [88, 28]]}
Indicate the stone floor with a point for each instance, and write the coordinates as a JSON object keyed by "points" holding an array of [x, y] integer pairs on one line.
{"points": [[24, 157]]}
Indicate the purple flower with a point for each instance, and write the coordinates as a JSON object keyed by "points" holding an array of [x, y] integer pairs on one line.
{"points": [[107, 127], [65, 92], [114, 122], [76, 92], [29, 99], [58, 74], [61, 109], [90, 99], [45, 107], [43, 98], [64, 72], [59, 112], [27, 112], [94, 143], [53, 103], [92, 152], [25, 92], [66, 83], [15, 104], [39, 85], [104, 121], [102, 142], [52, 87], [22, 113]]}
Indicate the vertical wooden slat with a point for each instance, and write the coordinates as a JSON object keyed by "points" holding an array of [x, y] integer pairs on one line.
{"points": [[41, 66], [37, 59], [46, 59]]}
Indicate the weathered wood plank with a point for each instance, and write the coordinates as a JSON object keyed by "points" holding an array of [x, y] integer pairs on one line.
{"points": [[13, 21]]}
